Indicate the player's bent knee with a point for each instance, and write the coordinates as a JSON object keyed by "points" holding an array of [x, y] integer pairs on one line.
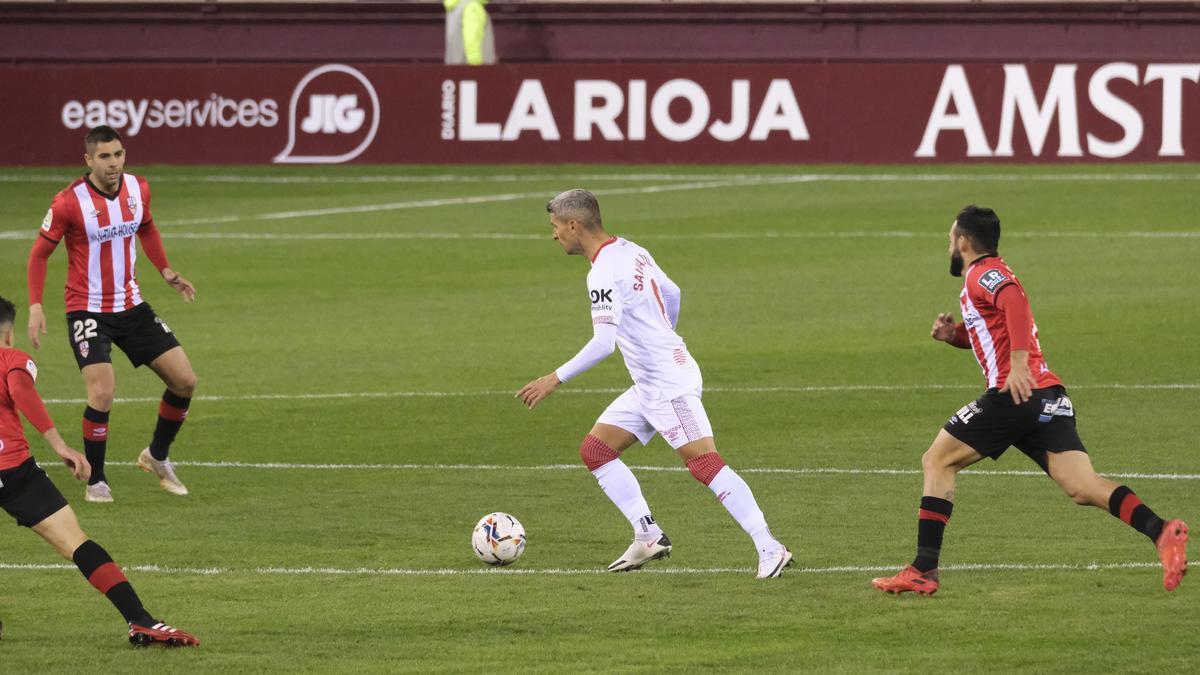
{"points": [[933, 460], [1088, 493], [705, 468], [185, 387], [101, 399], [595, 453], [1076, 492]]}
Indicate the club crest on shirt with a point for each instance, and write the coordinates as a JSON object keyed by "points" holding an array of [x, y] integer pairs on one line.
{"points": [[132, 201], [83, 349], [48, 219], [992, 279], [32, 368]]}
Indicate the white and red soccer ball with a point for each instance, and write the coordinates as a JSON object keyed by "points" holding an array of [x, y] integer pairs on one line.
{"points": [[498, 539]]}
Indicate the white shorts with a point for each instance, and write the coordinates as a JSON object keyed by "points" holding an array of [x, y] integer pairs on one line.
{"points": [[679, 420]]}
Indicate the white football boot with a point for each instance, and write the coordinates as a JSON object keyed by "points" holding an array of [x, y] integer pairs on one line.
{"points": [[167, 479], [98, 493], [772, 563], [641, 552]]}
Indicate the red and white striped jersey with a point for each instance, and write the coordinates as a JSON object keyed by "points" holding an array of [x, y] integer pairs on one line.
{"points": [[14, 449], [99, 230], [986, 324]]}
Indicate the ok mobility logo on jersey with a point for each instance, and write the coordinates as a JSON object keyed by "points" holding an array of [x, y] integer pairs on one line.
{"points": [[601, 302], [333, 117]]}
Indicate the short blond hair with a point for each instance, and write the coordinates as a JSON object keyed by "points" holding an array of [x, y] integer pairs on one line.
{"points": [[577, 204]]}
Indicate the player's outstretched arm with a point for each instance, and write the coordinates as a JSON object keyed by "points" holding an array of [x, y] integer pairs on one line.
{"points": [[75, 461], [533, 393], [27, 400], [152, 244], [602, 344]]}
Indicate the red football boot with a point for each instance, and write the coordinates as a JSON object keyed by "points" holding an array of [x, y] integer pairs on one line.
{"points": [[1172, 551], [909, 579], [160, 633]]}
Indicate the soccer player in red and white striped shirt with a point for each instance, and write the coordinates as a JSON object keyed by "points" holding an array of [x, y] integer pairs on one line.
{"points": [[1025, 405], [29, 496], [99, 216]]}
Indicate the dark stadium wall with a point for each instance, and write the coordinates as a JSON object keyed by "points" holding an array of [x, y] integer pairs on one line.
{"points": [[206, 82], [545, 32], [694, 113]]}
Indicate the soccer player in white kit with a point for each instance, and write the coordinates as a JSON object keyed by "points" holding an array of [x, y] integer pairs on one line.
{"points": [[636, 306]]}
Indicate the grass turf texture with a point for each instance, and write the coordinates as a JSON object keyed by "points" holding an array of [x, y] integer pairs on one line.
{"points": [[788, 285]]}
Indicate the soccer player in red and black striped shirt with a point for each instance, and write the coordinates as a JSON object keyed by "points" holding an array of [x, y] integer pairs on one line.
{"points": [[98, 218], [27, 494], [1025, 405]]}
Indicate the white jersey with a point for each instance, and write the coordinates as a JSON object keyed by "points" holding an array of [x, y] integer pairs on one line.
{"points": [[630, 291]]}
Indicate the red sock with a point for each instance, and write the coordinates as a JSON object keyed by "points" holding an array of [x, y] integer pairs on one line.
{"points": [[706, 467], [596, 453]]}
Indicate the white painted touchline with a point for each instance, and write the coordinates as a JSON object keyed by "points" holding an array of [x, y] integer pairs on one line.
{"points": [[487, 199], [319, 396], [802, 471], [20, 235], [558, 571]]}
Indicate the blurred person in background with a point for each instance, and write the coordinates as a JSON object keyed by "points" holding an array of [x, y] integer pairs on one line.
{"points": [[469, 37]]}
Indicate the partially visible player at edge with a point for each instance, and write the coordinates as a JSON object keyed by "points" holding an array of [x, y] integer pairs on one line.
{"points": [[1025, 405], [635, 305], [27, 494], [98, 216]]}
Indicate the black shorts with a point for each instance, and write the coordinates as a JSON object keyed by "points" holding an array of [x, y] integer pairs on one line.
{"points": [[28, 495], [1045, 423], [138, 332]]}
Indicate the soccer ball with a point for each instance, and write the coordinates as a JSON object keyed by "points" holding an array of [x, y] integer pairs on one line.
{"points": [[498, 539]]}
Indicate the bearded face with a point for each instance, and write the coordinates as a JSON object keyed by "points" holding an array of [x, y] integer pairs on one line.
{"points": [[956, 259], [956, 263]]}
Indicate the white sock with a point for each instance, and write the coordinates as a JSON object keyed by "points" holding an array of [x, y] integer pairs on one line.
{"points": [[619, 483], [733, 492]]}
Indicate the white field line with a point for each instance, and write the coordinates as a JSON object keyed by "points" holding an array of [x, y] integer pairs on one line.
{"points": [[558, 571], [721, 182], [482, 199], [622, 177], [488, 199], [813, 389], [815, 471], [650, 236], [516, 236]]}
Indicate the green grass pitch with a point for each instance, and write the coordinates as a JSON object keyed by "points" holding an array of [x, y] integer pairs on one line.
{"points": [[375, 321]]}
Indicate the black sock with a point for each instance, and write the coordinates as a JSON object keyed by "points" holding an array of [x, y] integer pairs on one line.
{"points": [[172, 411], [102, 573], [1125, 505], [931, 525], [95, 441]]}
